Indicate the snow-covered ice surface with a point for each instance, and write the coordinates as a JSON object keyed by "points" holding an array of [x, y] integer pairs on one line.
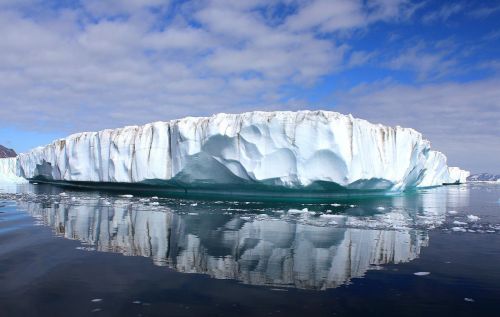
{"points": [[310, 150]]}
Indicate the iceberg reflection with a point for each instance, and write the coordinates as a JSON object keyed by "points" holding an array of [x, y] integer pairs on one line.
{"points": [[302, 249]]}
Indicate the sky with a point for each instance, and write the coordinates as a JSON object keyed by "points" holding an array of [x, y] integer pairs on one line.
{"points": [[73, 66]]}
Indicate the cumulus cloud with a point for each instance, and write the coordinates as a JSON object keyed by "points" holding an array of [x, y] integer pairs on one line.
{"points": [[109, 63]]}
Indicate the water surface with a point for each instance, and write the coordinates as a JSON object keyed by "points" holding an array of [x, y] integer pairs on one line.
{"points": [[81, 253]]}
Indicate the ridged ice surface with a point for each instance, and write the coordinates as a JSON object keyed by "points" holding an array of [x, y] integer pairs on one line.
{"points": [[9, 171], [305, 149]]}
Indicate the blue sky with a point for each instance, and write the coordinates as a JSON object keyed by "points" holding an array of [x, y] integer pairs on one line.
{"points": [[71, 66]]}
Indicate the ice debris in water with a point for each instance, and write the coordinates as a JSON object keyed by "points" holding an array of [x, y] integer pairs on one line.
{"points": [[96, 300], [458, 229], [473, 218], [470, 300], [459, 223], [380, 208], [126, 196], [452, 212], [63, 194], [421, 273]]}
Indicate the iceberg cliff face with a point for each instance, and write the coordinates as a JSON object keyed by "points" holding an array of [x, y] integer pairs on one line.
{"points": [[296, 150], [9, 171], [457, 175]]}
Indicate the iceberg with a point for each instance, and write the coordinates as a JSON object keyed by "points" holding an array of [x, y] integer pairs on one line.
{"points": [[319, 151], [457, 175], [9, 171]]}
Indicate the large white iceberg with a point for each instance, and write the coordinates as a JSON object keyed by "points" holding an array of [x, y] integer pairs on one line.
{"points": [[311, 150]]}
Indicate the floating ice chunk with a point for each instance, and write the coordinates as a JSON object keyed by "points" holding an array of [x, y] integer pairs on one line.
{"points": [[298, 211], [336, 205], [473, 218], [326, 216], [126, 196], [194, 205], [154, 203], [154, 197], [459, 223], [96, 300], [63, 194], [470, 300], [380, 208], [452, 212], [421, 273], [458, 229], [352, 206]]}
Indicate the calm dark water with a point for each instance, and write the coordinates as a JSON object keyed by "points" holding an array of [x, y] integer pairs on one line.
{"points": [[76, 253]]}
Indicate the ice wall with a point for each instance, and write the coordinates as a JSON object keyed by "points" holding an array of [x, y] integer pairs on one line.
{"points": [[9, 171], [304, 149], [457, 175]]}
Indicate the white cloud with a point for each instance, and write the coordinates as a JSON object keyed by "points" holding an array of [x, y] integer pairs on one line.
{"points": [[461, 119], [444, 13]]}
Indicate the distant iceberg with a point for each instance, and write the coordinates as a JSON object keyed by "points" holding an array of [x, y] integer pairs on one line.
{"points": [[305, 150]]}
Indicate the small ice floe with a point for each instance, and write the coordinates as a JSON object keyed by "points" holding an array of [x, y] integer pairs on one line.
{"points": [[473, 218], [297, 211], [336, 205], [327, 216], [194, 205], [421, 273], [34, 183], [352, 206], [126, 196], [193, 213], [452, 212], [138, 302], [95, 310], [96, 300], [459, 223], [470, 300], [154, 197], [154, 203], [63, 194], [458, 229], [380, 208]]}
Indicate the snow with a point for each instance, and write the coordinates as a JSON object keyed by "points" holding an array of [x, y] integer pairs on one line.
{"points": [[287, 149]]}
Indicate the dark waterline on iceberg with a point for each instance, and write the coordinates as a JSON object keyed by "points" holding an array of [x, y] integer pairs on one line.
{"points": [[317, 192], [62, 248]]}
